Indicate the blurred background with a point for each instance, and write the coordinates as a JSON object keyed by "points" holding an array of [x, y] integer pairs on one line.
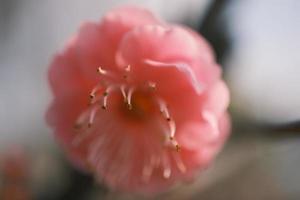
{"points": [[256, 42]]}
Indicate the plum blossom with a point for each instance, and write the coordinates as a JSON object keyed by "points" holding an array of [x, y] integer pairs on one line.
{"points": [[138, 102]]}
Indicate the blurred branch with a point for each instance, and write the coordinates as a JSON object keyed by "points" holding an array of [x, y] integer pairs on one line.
{"points": [[214, 29]]}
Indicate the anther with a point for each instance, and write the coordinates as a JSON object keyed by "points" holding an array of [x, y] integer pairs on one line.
{"points": [[128, 67], [174, 143], [92, 96], [100, 70], [178, 148], [93, 93], [129, 106], [105, 96], [77, 126], [152, 85]]}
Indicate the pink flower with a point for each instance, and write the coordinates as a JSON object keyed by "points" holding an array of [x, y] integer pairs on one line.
{"points": [[157, 108]]}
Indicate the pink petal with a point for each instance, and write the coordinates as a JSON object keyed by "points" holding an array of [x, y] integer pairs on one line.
{"points": [[203, 45], [167, 44], [64, 74], [93, 49], [199, 146], [175, 84], [194, 135], [217, 98], [97, 42], [62, 115], [182, 67]]}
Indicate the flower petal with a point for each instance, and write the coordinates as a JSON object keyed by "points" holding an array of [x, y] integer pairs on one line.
{"points": [[199, 143], [62, 115], [64, 74], [97, 42], [167, 44], [216, 99], [182, 67]]}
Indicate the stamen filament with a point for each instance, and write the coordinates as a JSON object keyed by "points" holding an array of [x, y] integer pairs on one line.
{"points": [[166, 166], [105, 73], [128, 68], [179, 162], [100, 70], [105, 96], [95, 99], [94, 91], [172, 126], [164, 109], [92, 115], [122, 88], [129, 96]]}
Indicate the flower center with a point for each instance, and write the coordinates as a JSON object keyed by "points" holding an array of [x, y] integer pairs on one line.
{"points": [[139, 103], [142, 106]]}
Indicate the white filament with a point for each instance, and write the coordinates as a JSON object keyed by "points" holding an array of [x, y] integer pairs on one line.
{"points": [[122, 88], [106, 95], [166, 166], [179, 162], [129, 96]]}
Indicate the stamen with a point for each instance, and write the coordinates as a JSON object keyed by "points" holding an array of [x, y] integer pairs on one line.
{"points": [[100, 70], [92, 96], [152, 85], [83, 123], [106, 73], [178, 148], [92, 116], [171, 123], [104, 106], [95, 99], [164, 109], [175, 144], [179, 162], [81, 120], [149, 163], [122, 88], [77, 126], [128, 68], [172, 126], [129, 96], [166, 167], [157, 161], [95, 90], [147, 171], [80, 137], [105, 96]]}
